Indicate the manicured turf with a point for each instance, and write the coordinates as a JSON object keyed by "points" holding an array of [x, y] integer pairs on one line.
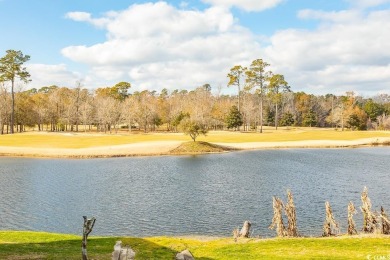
{"points": [[82, 140], [37, 245]]}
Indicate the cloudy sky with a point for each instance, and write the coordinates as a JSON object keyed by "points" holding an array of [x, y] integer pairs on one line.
{"points": [[321, 46]]}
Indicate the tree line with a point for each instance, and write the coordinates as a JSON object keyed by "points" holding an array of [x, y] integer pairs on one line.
{"points": [[262, 98]]}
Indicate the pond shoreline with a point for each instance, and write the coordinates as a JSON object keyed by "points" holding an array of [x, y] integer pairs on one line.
{"points": [[165, 148]]}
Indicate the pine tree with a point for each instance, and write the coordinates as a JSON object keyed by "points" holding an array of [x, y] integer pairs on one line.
{"points": [[234, 118]]}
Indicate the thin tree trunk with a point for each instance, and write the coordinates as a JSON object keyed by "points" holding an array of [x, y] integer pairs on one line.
{"points": [[239, 97], [342, 118], [276, 116], [332, 124], [87, 228], [12, 107], [261, 114]]}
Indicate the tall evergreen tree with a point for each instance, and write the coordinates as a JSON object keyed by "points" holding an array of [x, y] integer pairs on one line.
{"points": [[277, 84], [235, 75], [11, 69], [234, 118], [257, 76]]}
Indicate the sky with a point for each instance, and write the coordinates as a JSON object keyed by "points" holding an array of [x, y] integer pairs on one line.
{"points": [[321, 46]]}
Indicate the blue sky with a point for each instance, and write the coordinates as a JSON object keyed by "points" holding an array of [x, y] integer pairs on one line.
{"points": [[320, 46]]}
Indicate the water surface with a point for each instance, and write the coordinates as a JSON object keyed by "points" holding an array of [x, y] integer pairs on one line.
{"points": [[189, 195]]}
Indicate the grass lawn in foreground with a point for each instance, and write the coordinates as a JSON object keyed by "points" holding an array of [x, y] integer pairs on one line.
{"points": [[38, 245], [85, 140]]}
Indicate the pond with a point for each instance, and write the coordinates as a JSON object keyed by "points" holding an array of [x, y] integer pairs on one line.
{"points": [[190, 195]]}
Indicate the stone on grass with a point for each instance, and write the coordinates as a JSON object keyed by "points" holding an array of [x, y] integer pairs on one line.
{"points": [[122, 253], [184, 255]]}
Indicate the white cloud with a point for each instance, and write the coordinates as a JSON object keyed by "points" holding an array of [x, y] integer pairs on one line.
{"points": [[184, 4], [348, 51], [58, 75], [87, 17], [367, 3], [344, 16], [79, 16], [157, 45], [247, 5]]}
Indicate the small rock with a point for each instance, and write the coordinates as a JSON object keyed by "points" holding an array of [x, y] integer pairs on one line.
{"points": [[184, 255], [122, 253]]}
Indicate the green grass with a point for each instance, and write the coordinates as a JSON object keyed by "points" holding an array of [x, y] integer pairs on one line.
{"points": [[82, 140], [38, 245]]}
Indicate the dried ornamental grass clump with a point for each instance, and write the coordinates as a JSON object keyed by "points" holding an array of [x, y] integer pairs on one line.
{"points": [[292, 230], [277, 221], [244, 232], [385, 222], [351, 222], [369, 218], [331, 227], [236, 234]]}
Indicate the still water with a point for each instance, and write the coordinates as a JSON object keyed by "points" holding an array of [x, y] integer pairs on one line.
{"points": [[190, 195]]}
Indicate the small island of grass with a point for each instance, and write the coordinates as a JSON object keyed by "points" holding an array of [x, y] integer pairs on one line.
{"points": [[200, 147]]}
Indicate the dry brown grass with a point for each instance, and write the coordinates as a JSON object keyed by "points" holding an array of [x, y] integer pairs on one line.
{"points": [[85, 140], [92, 145]]}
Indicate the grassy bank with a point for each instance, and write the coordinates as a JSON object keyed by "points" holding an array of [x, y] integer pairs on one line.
{"points": [[37, 245], [86, 140]]}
